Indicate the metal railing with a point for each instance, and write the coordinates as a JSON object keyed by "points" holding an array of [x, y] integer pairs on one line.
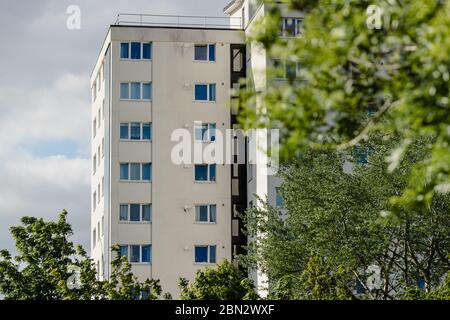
{"points": [[178, 21]]}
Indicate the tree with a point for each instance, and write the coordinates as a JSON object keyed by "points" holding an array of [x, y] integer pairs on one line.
{"points": [[334, 238], [45, 265], [42, 267], [224, 282], [390, 60]]}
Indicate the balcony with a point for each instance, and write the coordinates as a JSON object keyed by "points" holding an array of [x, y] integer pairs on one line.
{"points": [[207, 22]]}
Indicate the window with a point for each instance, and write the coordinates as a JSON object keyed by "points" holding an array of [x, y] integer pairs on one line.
{"points": [[94, 200], [205, 131], [123, 214], [98, 233], [147, 212], [103, 147], [136, 50], [147, 91], [205, 172], [205, 254], [124, 131], [98, 158], [94, 128], [146, 131], [94, 238], [136, 171], [124, 174], [94, 90], [206, 213], [124, 91], [135, 212], [124, 50], [205, 92], [135, 131], [146, 254], [123, 251], [286, 69], [205, 52], [136, 253], [290, 27], [103, 186], [136, 91], [98, 193], [94, 164], [146, 171], [146, 51], [278, 198]]}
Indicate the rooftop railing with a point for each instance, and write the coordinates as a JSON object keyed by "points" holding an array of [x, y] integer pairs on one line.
{"points": [[138, 19]]}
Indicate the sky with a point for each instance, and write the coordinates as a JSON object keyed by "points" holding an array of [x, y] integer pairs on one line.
{"points": [[45, 123]]}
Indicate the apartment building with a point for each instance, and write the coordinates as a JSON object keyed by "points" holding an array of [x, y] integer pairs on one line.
{"points": [[151, 79]]}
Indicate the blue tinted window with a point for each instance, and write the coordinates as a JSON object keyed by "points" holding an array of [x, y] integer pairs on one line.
{"points": [[135, 90], [213, 213], [124, 50], [124, 91], [123, 251], [212, 132], [201, 92], [146, 131], [135, 50], [212, 92], [147, 172], [123, 212], [146, 51], [124, 131], [147, 91], [201, 254], [212, 254], [124, 171], [135, 131], [212, 52], [359, 287], [135, 171], [146, 253], [421, 283], [201, 172], [360, 155], [135, 214], [202, 213], [279, 199], [147, 212], [212, 172], [135, 254]]}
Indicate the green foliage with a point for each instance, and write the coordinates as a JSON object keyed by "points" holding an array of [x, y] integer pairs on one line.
{"points": [[399, 72], [43, 266], [333, 230], [224, 282]]}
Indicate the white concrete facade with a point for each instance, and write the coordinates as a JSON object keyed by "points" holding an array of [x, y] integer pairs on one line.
{"points": [[172, 192]]}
